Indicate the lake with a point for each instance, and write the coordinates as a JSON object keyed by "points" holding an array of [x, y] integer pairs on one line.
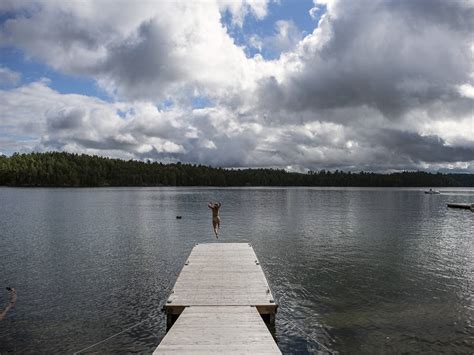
{"points": [[354, 270]]}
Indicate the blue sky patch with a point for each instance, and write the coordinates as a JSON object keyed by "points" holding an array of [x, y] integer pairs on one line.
{"points": [[201, 102], [33, 70], [296, 11]]}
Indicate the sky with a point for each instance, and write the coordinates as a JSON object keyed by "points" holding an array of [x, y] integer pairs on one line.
{"points": [[374, 85]]}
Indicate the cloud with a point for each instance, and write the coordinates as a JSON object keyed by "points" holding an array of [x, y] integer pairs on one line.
{"points": [[317, 10], [384, 54], [148, 52], [9, 77], [285, 39], [256, 42], [240, 9], [466, 90], [215, 136], [379, 85], [429, 149], [84, 124]]}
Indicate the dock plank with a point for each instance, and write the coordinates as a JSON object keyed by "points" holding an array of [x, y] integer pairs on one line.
{"points": [[217, 302], [221, 274], [218, 329]]}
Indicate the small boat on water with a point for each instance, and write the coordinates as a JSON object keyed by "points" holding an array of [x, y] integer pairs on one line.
{"points": [[465, 206], [432, 192]]}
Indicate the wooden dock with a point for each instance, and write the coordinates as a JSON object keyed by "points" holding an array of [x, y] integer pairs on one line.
{"points": [[219, 303]]}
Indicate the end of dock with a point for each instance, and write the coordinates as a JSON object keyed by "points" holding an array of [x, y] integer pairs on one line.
{"points": [[219, 303]]}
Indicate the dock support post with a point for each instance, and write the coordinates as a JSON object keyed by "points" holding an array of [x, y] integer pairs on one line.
{"points": [[171, 318]]}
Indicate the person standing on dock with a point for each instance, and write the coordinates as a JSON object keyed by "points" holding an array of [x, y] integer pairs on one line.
{"points": [[216, 221]]}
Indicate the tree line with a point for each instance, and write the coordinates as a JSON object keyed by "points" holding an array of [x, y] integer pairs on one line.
{"points": [[60, 169]]}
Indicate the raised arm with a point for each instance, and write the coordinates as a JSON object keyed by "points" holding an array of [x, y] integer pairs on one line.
{"points": [[210, 205]]}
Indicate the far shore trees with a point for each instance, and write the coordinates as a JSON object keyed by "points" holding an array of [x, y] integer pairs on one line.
{"points": [[59, 169]]}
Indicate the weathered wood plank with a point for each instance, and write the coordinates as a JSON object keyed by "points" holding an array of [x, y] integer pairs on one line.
{"points": [[218, 329], [222, 274], [219, 296]]}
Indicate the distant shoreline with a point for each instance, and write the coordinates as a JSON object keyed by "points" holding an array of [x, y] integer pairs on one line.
{"points": [[414, 188], [59, 169]]}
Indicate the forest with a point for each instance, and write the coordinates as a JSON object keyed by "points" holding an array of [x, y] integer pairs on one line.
{"points": [[60, 169]]}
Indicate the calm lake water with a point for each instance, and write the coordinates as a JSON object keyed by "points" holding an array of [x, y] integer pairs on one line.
{"points": [[356, 270]]}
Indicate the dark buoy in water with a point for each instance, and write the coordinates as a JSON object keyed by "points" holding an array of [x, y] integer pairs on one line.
{"points": [[179, 217]]}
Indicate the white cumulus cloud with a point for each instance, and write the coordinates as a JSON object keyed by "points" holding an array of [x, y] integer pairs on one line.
{"points": [[378, 84]]}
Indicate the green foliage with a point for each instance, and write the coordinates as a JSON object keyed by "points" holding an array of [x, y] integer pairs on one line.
{"points": [[65, 169]]}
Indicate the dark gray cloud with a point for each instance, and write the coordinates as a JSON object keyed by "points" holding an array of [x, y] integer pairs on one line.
{"points": [[455, 14], [145, 51], [66, 118], [416, 148], [142, 66], [379, 85], [67, 42], [391, 55]]}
